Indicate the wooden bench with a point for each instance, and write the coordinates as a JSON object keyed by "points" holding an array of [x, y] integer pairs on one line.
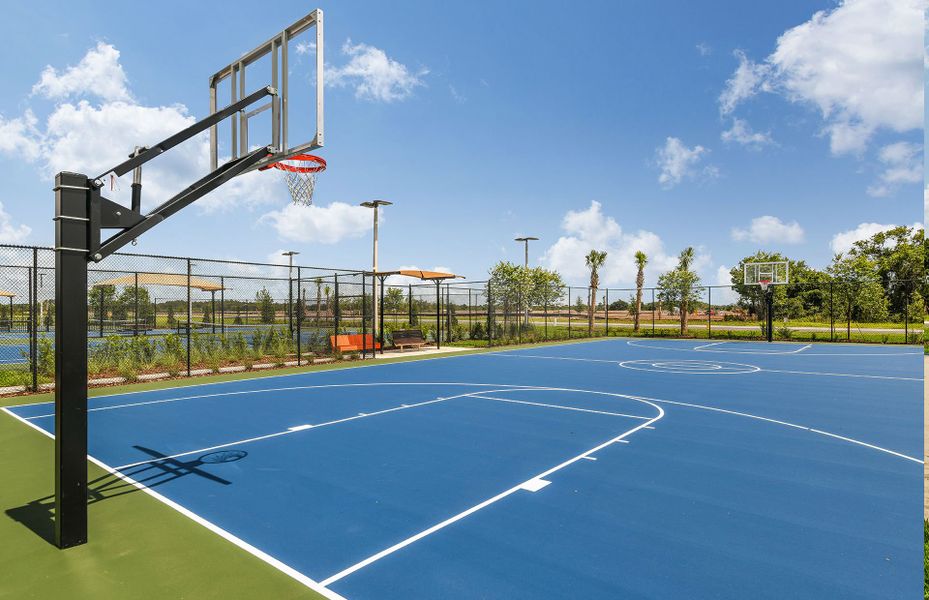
{"points": [[353, 342], [408, 337]]}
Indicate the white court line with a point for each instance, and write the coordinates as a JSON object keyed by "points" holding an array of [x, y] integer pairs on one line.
{"points": [[259, 554], [387, 551], [636, 344], [860, 375], [759, 369], [263, 390], [708, 345], [292, 430], [785, 423], [557, 406]]}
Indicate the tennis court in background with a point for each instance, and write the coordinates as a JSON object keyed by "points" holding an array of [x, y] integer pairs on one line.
{"points": [[607, 469]]}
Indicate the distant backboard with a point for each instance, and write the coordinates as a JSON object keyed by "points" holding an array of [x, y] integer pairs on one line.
{"points": [[291, 62], [767, 273]]}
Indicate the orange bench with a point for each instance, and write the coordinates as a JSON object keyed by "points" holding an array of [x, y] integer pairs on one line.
{"points": [[353, 342]]}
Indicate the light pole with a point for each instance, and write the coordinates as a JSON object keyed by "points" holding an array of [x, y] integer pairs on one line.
{"points": [[374, 205], [290, 254], [525, 241]]}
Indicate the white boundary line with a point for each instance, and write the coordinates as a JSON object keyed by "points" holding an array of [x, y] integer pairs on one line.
{"points": [[260, 391], [642, 365], [556, 406], [786, 424], [639, 344], [707, 345], [400, 545], [259, 554], [298, 429], [756, 369]]}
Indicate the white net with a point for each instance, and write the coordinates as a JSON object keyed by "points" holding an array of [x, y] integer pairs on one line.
{"points": [[299, 173]]}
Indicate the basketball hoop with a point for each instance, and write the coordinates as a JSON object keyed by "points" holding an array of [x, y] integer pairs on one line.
{"points": [[299, 173], [764, 283]]}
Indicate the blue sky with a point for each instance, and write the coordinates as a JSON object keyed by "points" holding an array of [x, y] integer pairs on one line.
{"points": [[731, 127]]}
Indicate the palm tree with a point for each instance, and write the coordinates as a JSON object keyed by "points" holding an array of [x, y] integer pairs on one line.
{"points": [[640, 261], [595, 260]]}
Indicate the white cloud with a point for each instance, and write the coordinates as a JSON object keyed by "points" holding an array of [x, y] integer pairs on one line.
{"points": [[857, 64], [590, 229], [678, 162], [319, 224], [20, 137], [704, 49], [767, 229], [305, 47], [843, 241], [374, 75], [456, 95], [742, 133], [724, 295], [99, 73], [112, 127], [10, 233], [902, 164], [748, 78]]}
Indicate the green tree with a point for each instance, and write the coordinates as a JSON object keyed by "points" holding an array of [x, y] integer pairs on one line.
{"points": [[393, 300], [640, 261], [859, 293], [265, 306], [899, 262], [319, 285], [679, 288], [126, 302], [171, 319], [805, 296], [594, 261]]}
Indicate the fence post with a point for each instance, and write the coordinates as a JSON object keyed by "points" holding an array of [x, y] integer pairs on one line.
{"points": [[653, 312], [848, 301], [380, 319], [301, 300], [438, 314], [448, 315], [470, 324], [606, 310], [364, 315], [222, 306], [189, 314], [102, 310], [519, 326], [831, 314], [34, 333], [135, 304], [490, 329], [545, 317], [569, 312], [709, 312], [906, 315]]}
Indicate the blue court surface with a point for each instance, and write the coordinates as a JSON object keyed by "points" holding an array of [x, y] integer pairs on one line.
{"points": [[607, 469]]}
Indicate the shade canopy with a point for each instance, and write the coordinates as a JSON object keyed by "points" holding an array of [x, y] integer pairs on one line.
{"points": [[4, 294], [169, 279], [423, 275]]}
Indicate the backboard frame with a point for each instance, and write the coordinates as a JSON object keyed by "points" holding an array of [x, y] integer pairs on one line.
{"points": [[774, 272], [277, 48]]}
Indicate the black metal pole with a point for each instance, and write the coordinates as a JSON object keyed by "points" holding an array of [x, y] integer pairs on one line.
{"points": [[709, 312], [381, 318], [102, 309], [301, 299], [448, 316], [906, 315], [831, 314], [364, 314], [606, 309], [438, 315], [189, 311], [34, 316], [490, 328], [409, 299], [335, 307], [213, 311], [769, 308], [222, 305], [848, 302], [569, 312], [135, 304], [653, 311], [71, 247]]}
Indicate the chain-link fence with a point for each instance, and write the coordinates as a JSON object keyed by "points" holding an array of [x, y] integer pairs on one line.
{"points": [[150, 315], [154, 316], [480, 314]]}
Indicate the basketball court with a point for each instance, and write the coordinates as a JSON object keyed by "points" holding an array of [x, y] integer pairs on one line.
{"points": [[639, 468]]}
